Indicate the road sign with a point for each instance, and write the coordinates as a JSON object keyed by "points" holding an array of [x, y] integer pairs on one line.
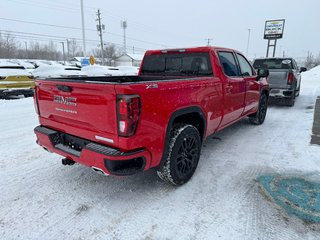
{"points": [[274, 29], [85, 62], [92, 60]]}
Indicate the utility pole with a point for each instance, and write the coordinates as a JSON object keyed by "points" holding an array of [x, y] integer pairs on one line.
{"points": [[124, 25], [208, 41], [64, 56], [83, 30], [100, 27], [247, 52]]}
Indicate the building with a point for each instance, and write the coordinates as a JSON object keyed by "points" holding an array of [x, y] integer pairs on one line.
{"points": [[129, 59]]}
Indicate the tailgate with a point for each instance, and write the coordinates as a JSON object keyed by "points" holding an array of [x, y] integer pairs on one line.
{"points": [[278, 78], [85, 110]]}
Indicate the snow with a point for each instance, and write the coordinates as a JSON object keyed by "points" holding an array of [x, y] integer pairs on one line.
{"points": [[97, 70], [52, 71], [41, 199], [8, 68]]}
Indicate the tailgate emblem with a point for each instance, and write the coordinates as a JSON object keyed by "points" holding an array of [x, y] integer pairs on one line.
{"points": [[71, 101]]}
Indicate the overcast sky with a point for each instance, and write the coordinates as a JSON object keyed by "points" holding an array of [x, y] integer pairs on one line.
{"points": [[168, 23]]}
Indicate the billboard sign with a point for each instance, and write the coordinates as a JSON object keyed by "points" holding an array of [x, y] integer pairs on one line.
{"points": [[274, 29]]}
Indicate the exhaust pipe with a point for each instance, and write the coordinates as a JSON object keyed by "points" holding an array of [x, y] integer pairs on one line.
{"points": [[98, 170], [67, 161]]}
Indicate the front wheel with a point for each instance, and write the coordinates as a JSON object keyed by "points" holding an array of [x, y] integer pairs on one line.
{"points": [[259, 117], [182, 155]]}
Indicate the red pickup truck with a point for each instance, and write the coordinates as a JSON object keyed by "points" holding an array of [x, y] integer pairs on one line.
{"points": [[158, 119]]}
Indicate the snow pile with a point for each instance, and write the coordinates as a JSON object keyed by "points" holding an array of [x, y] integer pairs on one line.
{"points": [[313, 73], [56, 71]]}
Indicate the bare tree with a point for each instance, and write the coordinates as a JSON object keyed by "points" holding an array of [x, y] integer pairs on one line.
{"points": [[111, 53], [74, 48], [309, 63], [8, 46]]}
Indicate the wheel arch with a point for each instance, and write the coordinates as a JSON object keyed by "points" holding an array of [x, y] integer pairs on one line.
{"points": [[191, 115]]}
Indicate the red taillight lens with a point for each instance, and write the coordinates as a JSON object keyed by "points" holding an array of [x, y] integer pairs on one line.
{"points": [[128, 113], [35, 101], [290, 78]]}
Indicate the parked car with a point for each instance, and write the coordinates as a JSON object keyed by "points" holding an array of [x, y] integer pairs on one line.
{"points": [[27, 65], [284, 78], [15, 80], [56, 71], [159, 119]]}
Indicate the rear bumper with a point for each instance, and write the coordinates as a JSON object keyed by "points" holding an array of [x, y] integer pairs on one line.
{"points": [[16, 91], [109, 160], [281, 93]]}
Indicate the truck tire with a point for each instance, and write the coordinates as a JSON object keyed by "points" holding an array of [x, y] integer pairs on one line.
{"points": [[259, 117], [290, 102], [181, 156], [297, 93]]}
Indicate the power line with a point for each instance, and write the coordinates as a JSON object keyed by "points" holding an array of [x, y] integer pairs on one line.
{"points": [[45, 24], [53, 37], [77, 28], [47, 7]]}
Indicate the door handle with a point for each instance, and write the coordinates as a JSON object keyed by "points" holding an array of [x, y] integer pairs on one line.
{"points": [[64, 88]]}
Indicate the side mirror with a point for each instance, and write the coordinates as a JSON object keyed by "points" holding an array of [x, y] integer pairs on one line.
{"points": [[303, 69], [262, 73]]}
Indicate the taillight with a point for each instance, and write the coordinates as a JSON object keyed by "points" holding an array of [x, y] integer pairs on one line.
{"points": [[290, 78], [128, 113], [35, 100]]}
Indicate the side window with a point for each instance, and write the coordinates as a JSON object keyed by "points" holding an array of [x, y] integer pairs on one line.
{"points": [[245, 67], [228, 64]]}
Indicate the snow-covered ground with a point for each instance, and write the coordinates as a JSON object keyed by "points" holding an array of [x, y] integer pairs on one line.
{"points": [[41, 199]]}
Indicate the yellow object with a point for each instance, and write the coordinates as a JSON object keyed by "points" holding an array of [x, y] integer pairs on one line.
{"points": [[92, 60]]}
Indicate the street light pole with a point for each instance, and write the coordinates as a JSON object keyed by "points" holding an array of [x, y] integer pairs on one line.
{"points": [[83, 30], [247, 52]]}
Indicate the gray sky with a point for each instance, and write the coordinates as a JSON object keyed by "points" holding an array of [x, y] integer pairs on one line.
{"points": [[169, 23]]}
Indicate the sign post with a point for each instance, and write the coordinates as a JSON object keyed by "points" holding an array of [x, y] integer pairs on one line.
{"points": [[273, 30]]}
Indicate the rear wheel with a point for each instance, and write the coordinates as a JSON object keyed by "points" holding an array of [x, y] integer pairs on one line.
{"points": [[290, 101], [259, 117], [297, 92], [182, 155]]}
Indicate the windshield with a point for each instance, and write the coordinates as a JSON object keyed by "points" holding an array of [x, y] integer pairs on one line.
{"points": [[177, 64], [274, 63]]}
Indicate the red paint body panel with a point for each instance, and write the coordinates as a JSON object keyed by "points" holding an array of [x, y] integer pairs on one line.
{"points": [[222, 100]]}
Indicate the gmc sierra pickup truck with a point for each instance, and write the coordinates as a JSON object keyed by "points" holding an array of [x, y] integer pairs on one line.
{"points": [[284, 78], [158, 119]]}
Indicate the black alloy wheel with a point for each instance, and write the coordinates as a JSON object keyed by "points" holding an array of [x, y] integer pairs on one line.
{"points": [[181, 156]]}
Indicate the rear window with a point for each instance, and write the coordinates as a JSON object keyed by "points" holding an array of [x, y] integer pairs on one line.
{"points": [[191, 64], [277, 63]]}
